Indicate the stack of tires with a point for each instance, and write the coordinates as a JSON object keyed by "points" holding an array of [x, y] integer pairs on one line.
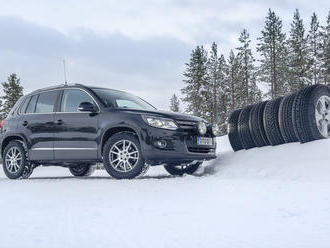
{"points": [[300, 117]]}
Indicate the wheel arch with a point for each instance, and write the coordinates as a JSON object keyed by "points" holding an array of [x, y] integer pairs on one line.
{"points": [[9, 138], [109, 132]]}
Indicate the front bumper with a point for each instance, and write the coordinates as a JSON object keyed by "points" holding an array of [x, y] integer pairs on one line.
{"points": [[181, 147]]}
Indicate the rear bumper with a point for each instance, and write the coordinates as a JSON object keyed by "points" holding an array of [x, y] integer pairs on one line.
{"points": [[181, 147]]}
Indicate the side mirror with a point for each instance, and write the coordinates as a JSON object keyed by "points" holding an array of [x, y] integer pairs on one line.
{"points": [[86, 107]]}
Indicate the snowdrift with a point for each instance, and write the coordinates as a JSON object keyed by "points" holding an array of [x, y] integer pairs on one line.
{"points": [[294, 161]]}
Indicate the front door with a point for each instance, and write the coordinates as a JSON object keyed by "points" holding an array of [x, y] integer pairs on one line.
{"points": [[76, 132]]}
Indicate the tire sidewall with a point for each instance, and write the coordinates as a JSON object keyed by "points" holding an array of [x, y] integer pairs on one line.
{"points": [[20, 172], [139, 167]]}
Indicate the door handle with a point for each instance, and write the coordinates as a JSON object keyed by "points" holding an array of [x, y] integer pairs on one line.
{"points": [[59, 122], [25, 123]]}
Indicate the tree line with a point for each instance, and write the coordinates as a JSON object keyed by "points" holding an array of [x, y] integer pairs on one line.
{"points": [[214, 86]]}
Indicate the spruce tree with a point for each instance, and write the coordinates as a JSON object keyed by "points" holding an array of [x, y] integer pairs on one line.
{"points": [[250, 93], [299, 61], [233, 90], [196, 81], [325, 54], [273, 52], [174, 103], [314, 49], [216, 78], [12, 92]]}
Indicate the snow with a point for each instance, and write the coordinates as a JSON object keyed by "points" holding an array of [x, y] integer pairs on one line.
{"points": [[263, 197]]}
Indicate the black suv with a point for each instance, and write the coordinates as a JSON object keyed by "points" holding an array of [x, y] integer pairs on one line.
{"points": [[76, 126]]}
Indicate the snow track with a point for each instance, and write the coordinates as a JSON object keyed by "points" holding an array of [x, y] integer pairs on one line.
{"points": [[263, 197]]}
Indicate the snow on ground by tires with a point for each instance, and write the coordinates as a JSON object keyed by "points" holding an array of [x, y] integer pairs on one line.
{"points": [[263, 197]]}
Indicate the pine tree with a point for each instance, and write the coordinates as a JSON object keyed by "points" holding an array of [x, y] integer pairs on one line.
{"points": [[233, 91], [325, 54], [299, 61], [174, 103], [195, 90], [250, 93], [12, 92], [216, 78], [272, 49], [314, 49]]}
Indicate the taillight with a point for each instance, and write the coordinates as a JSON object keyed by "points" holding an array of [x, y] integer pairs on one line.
{"points": [[2, 123]]}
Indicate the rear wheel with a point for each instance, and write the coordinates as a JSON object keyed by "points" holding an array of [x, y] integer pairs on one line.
{"points": [[82, 170], [180, 170], [15, 162], [122, 156]]}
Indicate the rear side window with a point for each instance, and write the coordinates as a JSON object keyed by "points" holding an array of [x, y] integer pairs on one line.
{"points": [[24, 105], [32, 104], [46, 102], [72, 98]]}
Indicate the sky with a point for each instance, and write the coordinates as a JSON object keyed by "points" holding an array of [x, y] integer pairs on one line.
{"points": [[139, 46]]}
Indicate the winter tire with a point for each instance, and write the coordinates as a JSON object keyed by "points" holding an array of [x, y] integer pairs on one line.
{"points": [[82, 170], [271, 124], [14, 160], [122, 156], [256, 125], [311, 113], [180, 170], [243, 128], [285, 119], [233, 131]]}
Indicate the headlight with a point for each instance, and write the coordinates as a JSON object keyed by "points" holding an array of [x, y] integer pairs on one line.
{"points": [[160, 122], [202, 128], [215, 130]]}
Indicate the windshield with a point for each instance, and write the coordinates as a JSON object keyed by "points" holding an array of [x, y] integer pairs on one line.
{"points": [[119, 99]]}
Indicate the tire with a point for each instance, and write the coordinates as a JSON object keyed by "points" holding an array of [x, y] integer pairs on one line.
{"points": [[256, 125], [285, 119], [120, 168], [83, 170], [271, 123], [234, 140], [180, 170], [305, 111], [243, 128], [11, 169]]}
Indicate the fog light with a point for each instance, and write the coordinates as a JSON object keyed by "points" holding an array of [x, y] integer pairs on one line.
{"points": [[161, 143], [202, 128]]}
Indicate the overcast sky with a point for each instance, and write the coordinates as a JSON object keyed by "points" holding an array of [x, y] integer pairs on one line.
{"points": [[138, 46]]}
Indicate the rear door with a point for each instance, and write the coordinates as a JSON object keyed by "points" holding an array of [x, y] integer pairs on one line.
{"points": [[76, 132], [38, 125]]}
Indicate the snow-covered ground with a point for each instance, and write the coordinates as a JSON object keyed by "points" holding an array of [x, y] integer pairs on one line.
{"points": [[264, 197]]}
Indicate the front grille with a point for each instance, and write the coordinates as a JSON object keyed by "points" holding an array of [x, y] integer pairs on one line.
{"points": [[187, 124], [200, 150]]}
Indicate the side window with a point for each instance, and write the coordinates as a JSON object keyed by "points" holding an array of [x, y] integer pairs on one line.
{"points": [[24, 105], [32, 104], [46, 102], [72, 98]]}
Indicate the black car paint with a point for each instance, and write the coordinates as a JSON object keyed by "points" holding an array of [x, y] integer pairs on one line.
{"points": [[89, 132]]}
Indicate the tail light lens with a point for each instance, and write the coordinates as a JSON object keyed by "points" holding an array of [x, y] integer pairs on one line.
{"points": [[2, 123]]}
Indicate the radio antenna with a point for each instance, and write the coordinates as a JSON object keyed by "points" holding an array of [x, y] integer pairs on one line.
{"points": [[64, 70]]}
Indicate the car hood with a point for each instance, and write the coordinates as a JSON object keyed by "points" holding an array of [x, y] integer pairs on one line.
{"points": [[166, 114]]}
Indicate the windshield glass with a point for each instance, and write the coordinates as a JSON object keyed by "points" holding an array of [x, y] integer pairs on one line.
{"points": [[119, 99]]}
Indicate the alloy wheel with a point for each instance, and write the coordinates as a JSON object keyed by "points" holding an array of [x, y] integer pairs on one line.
{"points": [[123, 156], [322, 116], [13, 160]]}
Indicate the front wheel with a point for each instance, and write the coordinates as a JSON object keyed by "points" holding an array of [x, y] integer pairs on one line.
{"points": [[180, 170], [122, 156]]}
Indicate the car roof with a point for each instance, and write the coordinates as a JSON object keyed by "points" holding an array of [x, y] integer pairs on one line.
{"points": [[64, 86]]}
